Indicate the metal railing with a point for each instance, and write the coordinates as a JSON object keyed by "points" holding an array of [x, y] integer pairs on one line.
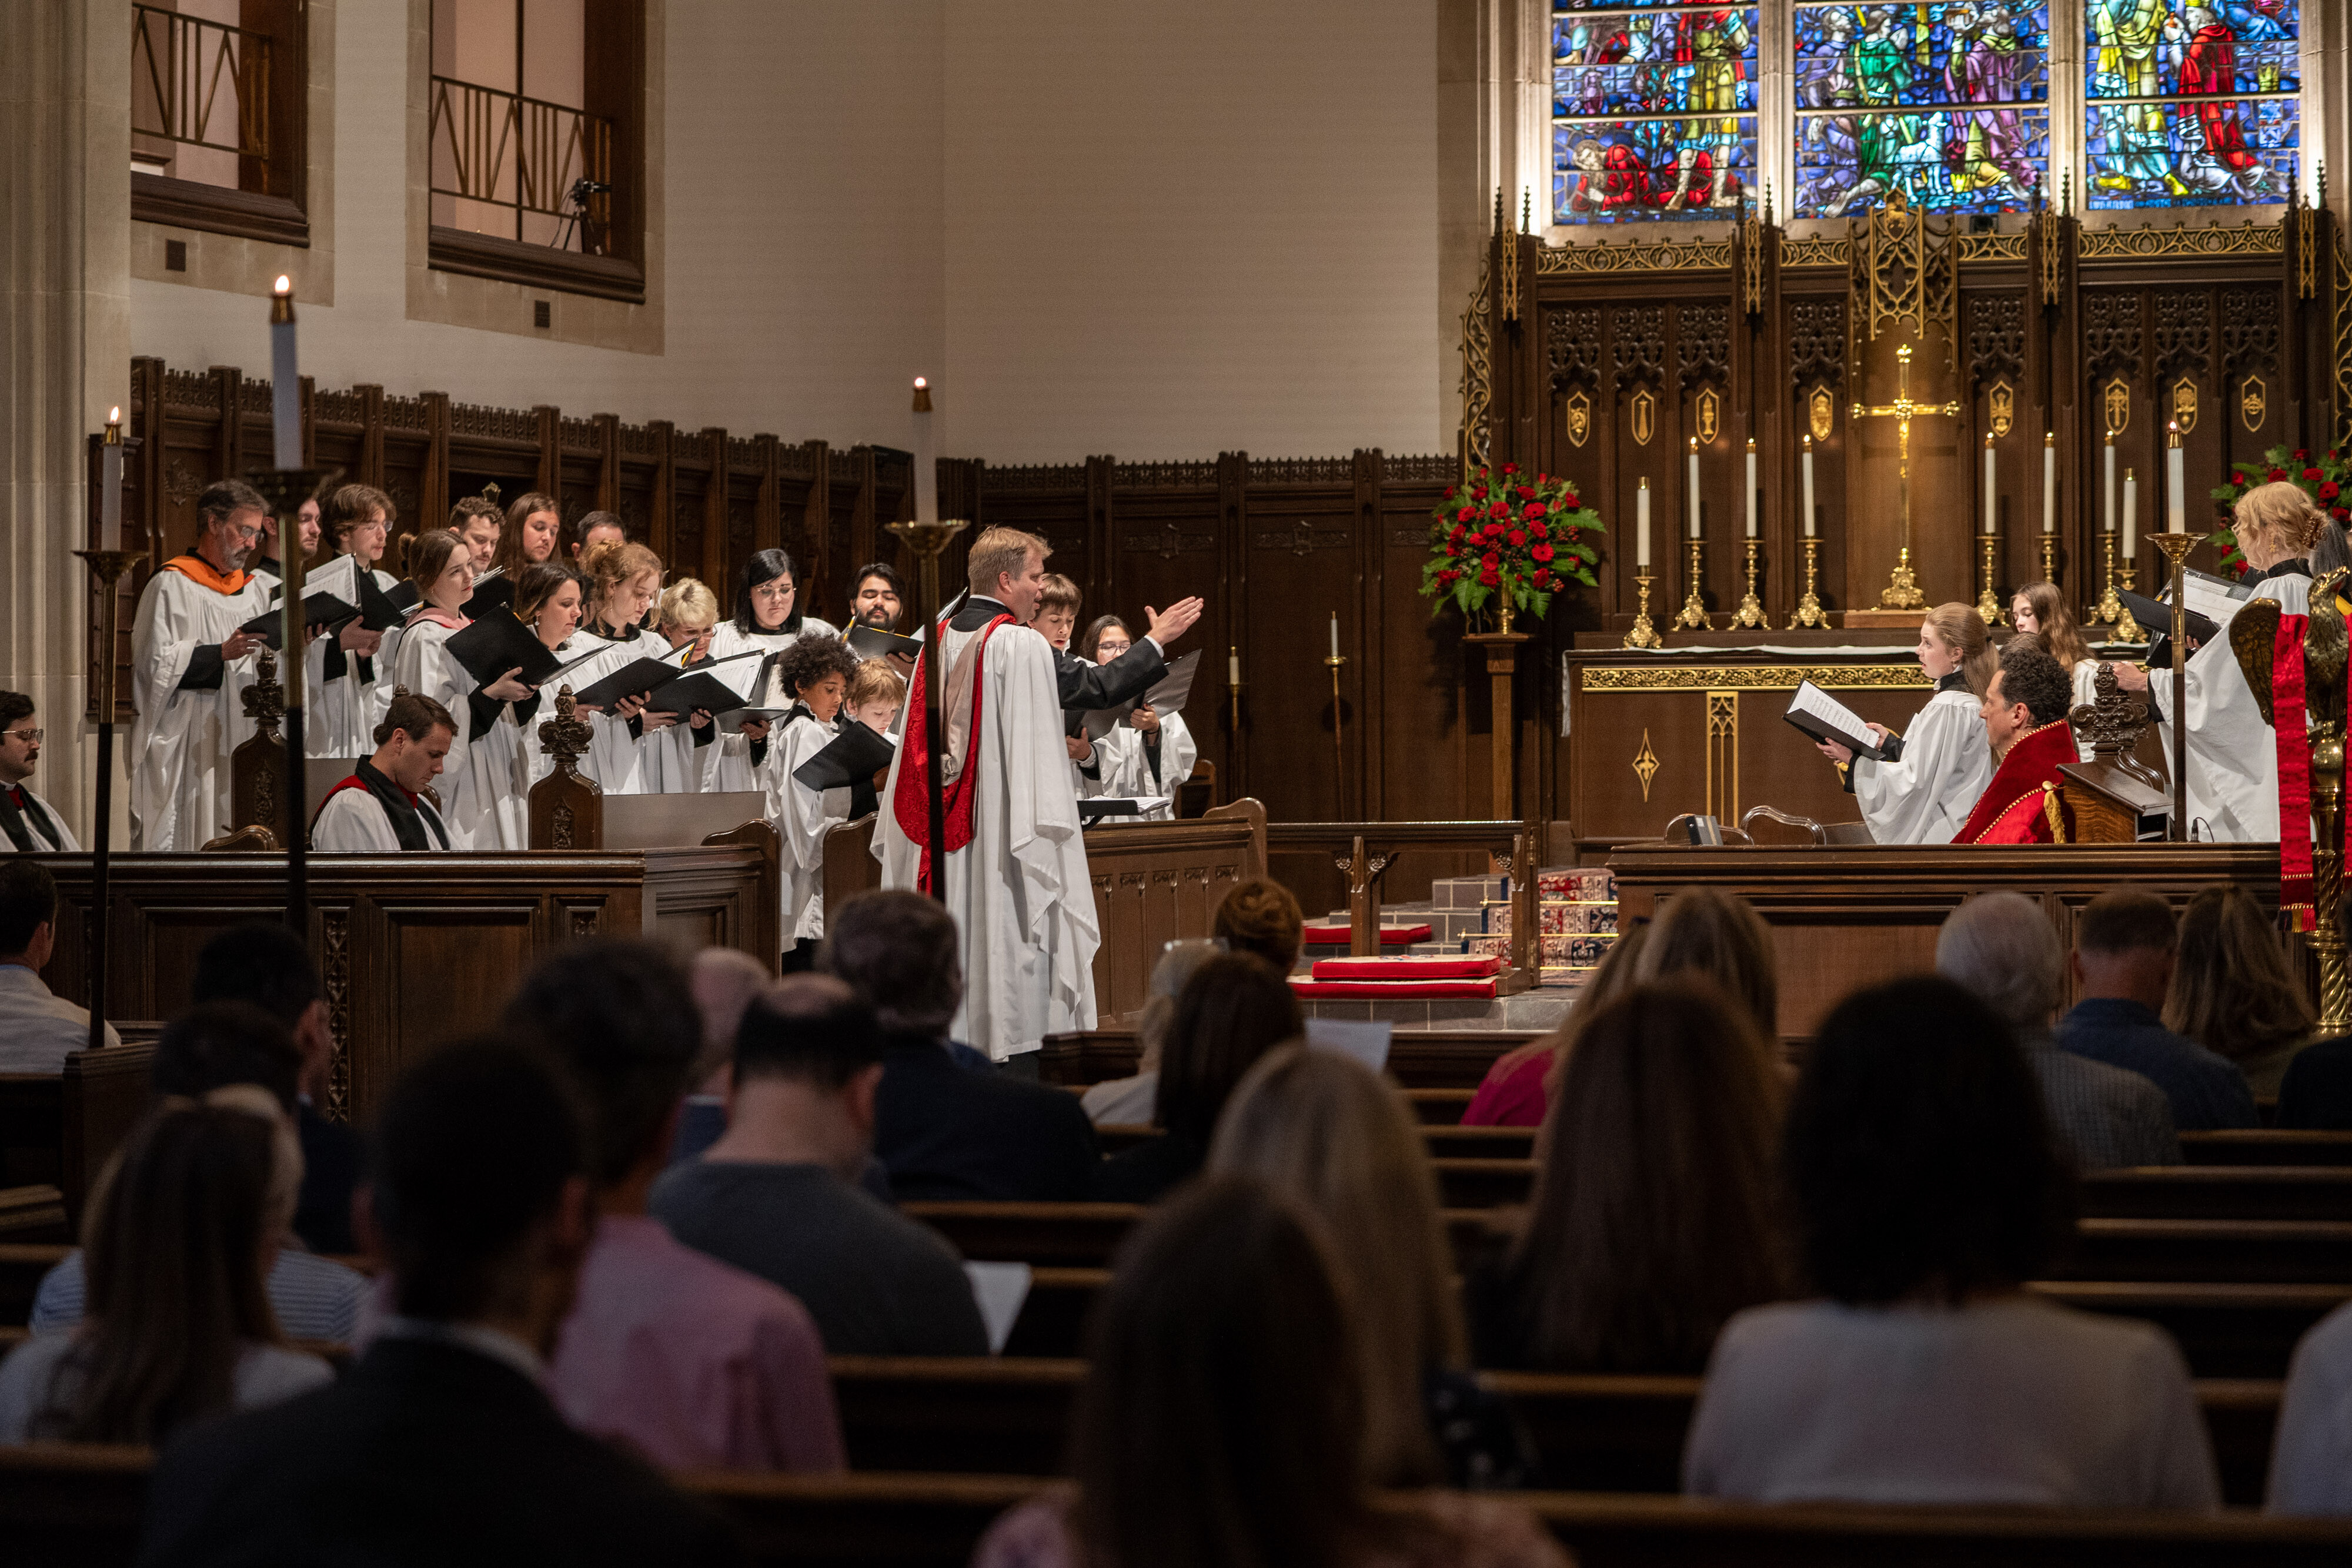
{"points": [[205, 85], [524, 155]]}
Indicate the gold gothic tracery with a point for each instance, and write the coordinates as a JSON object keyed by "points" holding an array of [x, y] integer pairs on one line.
{"points": [[1715, 678]]}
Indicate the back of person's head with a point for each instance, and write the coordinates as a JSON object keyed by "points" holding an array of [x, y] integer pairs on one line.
{"points": [[2029, 675], [1919, 1161], [261, 962], [28, 901], [215, 1044], [1720, 938], [1221, 1420], [177, 1245], [412, 716], [1234, 1009], [2125, 921], [1262, 916], [723, 980], [619, 1015], [472, 1151], [811, 1030], [1654, 1215], [1177, 959], [898, 948], [1999, 947], [1333, 1135], [2232, 989]]}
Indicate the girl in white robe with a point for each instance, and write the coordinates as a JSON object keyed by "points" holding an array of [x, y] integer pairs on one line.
{"points": [[2040, 610], [1149, 754], [623, 580], [767, 617], [816, 670], [509, 753], [1922, 792], [477, 771]]}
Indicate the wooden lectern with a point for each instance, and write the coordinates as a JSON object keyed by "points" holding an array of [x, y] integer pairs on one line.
{"points": [[2111, 798]]}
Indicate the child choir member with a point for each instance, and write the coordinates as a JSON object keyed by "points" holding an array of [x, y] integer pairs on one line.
{"points": [[2040, 610], [1929, 779], [815, 672], [682, 759], [1150, 754]]}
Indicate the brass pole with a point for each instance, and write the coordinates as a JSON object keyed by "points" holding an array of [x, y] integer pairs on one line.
{"points": [[285, 490], [2176, 549]]}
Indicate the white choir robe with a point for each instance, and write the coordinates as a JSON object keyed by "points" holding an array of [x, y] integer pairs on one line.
{"points": [[319, 737], [180, 740], [353, 822], [1925, 797], [345, 711], [478, 772], [617, 759], [727, 762], [64, 843], [1024, 906], [1127, 765], [2232, 753], [802, 817], [531, 761]]}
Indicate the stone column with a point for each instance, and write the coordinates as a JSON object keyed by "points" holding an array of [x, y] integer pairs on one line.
{"points": [[64, 188]]}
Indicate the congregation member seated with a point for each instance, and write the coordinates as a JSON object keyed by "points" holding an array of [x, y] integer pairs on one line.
{"points": [[2311, 1456], [213, 1047], [723, 980], [2000, 948], [1262, 916], [2233, 991], [2123, 962], [28, 824], [38, 1029], [666, 1352], [1234, 1009], [382, 808], [778, 1196], [1133, 1102], [2317, 1093], [1224, 1419], [263, 963], [1655, 1214], [441, 1444], [942, 1130], [182, 1232], [1328, 1132], [1516, 1090], [1927, 1186]]}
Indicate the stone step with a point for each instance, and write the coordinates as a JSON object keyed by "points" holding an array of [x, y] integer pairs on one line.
{"points": [[1542, 1009], [1466, 892]]}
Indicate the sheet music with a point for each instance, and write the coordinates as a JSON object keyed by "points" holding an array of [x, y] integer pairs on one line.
{"points": [[1810, 699], [2216, 599]]}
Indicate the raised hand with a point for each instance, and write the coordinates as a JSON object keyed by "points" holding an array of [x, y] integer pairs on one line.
{"points": [[1172, 623]]}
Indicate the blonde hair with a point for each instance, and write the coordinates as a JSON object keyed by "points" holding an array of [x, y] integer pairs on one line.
{"points": [[1000, 551], [2055, 623], [688, 603], [1960, 628], [1331, 1133], [876, 682], [2280, 509], [610, 563]]}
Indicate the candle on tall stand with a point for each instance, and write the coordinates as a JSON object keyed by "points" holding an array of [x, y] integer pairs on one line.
{"points": [[1642, 516], [285, 380], [1693, 614], [1339, 742], [1234, 685], [2127, 628], [1988, 542], [927, 466], [1692, 488], [1808, 502], [106, 564], [1751, 486], [1644, 635], [2131, 511], [110, 514], [2107, 490], [1752, 611], [2050, 506], [2109, 607], [2176, 492], [284, 486]]}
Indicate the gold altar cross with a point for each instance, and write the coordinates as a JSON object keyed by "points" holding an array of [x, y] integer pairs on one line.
{"points": [[1902, 592]]}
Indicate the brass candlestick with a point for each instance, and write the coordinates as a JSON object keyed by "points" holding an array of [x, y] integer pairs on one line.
{"points": [[2176, 549], [2050, 558], [2127, 629], [927, 541], [1694, 610], [1644, 635], [1809, 609], [105, 568], [285, 490], [1750, 613], [2109, 607], [1339, 743], [1987, 602]]}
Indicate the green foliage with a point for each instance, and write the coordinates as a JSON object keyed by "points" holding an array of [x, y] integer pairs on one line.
{"points": [[1503, 533]]}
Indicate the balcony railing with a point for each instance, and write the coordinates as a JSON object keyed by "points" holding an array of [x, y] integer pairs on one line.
{"points": [[515, 161], [200, 84]]}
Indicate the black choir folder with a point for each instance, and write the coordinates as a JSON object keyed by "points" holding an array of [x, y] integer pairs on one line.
{"points": [[320, 608], [1824, 718], [873, 643], [639, 677], [1166, 695], [497, 642], [719, 686], [855, 753]]}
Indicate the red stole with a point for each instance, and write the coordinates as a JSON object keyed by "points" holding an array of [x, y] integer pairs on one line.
{"points": [[911, 804], [2021, 806], [196, 569]]}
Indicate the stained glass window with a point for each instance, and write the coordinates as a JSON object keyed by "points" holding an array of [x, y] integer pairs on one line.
{"points": [[1653, 109], [2189, 102], [1887, 99]]}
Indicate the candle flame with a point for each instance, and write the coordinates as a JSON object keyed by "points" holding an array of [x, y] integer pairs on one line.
{"points": [[921, 381], [114, 416], [1694, 444], [284, 286]]}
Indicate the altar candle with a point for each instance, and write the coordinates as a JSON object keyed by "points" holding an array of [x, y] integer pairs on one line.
{"points": [[285, 377], [109, 514], [2107, 495], [1641, 526], [927, 467], [2131, 512], [1808, 486], [2176, 509], [1694, 486], [1991, 511], [2049, 481], [1335, 633], [1751, 486], [1233, 665]]}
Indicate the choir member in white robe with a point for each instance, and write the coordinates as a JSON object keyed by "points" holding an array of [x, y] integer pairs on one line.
{"points": [[1150, 753], [816, 670], [2040, 610], [349, 701], [623, 580], [767, 617], [1923, 790], [503, 750], [2232, 784], [189, 664], [28, 824], [481, 773], [533, 535], [382, 808], [270, 572], [684, 758], [1016, 864]]}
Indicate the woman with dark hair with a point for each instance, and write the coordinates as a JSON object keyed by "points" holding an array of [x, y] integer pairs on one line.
{"points": [[1654, 1216], [548, 598], [814, 674], [183, 1231], [1223, 1424], [533, 533], [1926, 1188], [767, 615], [2040, 610], [2232, 992], [441, 566], [1232, 1010]]}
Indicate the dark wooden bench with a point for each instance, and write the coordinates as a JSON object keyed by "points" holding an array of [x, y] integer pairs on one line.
{"points": [[2220, 1192], [2266, 1146]]}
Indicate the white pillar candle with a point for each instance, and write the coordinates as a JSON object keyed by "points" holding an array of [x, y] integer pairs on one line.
{"points": [[1641, 526], [109, 513], [1808, 486], [927, 466], [2049, 481], [1335, 633], [1993, 511], [2107, 495], [1694, 486], [285, 378], [2131, 513], [2176, 508], [1751, 486], [1234, 665]]}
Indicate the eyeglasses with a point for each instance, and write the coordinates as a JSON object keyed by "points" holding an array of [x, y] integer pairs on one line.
{"points": [[33, 735]]}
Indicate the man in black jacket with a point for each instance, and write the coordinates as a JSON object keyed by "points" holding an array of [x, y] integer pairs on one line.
{"points": [[945, 1130], [440, 1446]]}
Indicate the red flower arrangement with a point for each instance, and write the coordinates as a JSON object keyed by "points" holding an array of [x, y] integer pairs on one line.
{"points": [[2324, 479], [1482, 545]]}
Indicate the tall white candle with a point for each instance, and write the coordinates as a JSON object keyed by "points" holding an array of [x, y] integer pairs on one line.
{"points": [[109, 505], [2107, 496], [927, 466], [1641, 526], [2131, 513], [2175, 505], [1335, 633], [285, 378], [1808, 486], [1751, 486], [2049, 481], [1992, 510], [1234, 665], [1694, 486]]}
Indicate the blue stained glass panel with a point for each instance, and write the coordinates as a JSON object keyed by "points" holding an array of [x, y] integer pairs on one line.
{"points": [[1653, 111], [2191, 104], [1947, 102]]}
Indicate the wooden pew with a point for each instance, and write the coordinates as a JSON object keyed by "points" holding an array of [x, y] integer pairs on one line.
{"points": [[1448, 1143], [2221, 1192], [2225, 1331], [2266, 1146], [1455, 1058], [2265, 1251], [1440, 1107]]}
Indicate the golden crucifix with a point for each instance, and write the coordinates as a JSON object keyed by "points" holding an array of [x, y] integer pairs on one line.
{"points": [[1902, 592]]}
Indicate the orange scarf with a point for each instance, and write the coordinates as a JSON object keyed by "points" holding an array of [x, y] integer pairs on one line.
{"points": [[196, 569]]}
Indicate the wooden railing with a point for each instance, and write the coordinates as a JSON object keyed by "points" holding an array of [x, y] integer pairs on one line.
{"points": [[199, 84], [523, 155]]}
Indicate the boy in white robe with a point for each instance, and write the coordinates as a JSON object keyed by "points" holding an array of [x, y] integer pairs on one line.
{"points": [[349, 700], [381, 808], [815, 672]]}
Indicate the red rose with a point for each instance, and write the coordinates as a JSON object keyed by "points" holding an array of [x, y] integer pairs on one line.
{"points": [[1490, 561], [1456, 532], [1453, 551], [1519, 540], [1539, 530], [2328, 490], [1465, 514], [2301, 455], [1452, 491], [1541, 552], [1499, 510], [1526, 494], [1543, 578], [2313, 474], [1513, 468], [2275, 476], [2340, 513], [1491, 531], [1570, 502], [1532, 510], [1487, 579], [2237, 478]]}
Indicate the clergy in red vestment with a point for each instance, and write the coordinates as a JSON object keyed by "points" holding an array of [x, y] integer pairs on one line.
{"points": [[2024, 712]]}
